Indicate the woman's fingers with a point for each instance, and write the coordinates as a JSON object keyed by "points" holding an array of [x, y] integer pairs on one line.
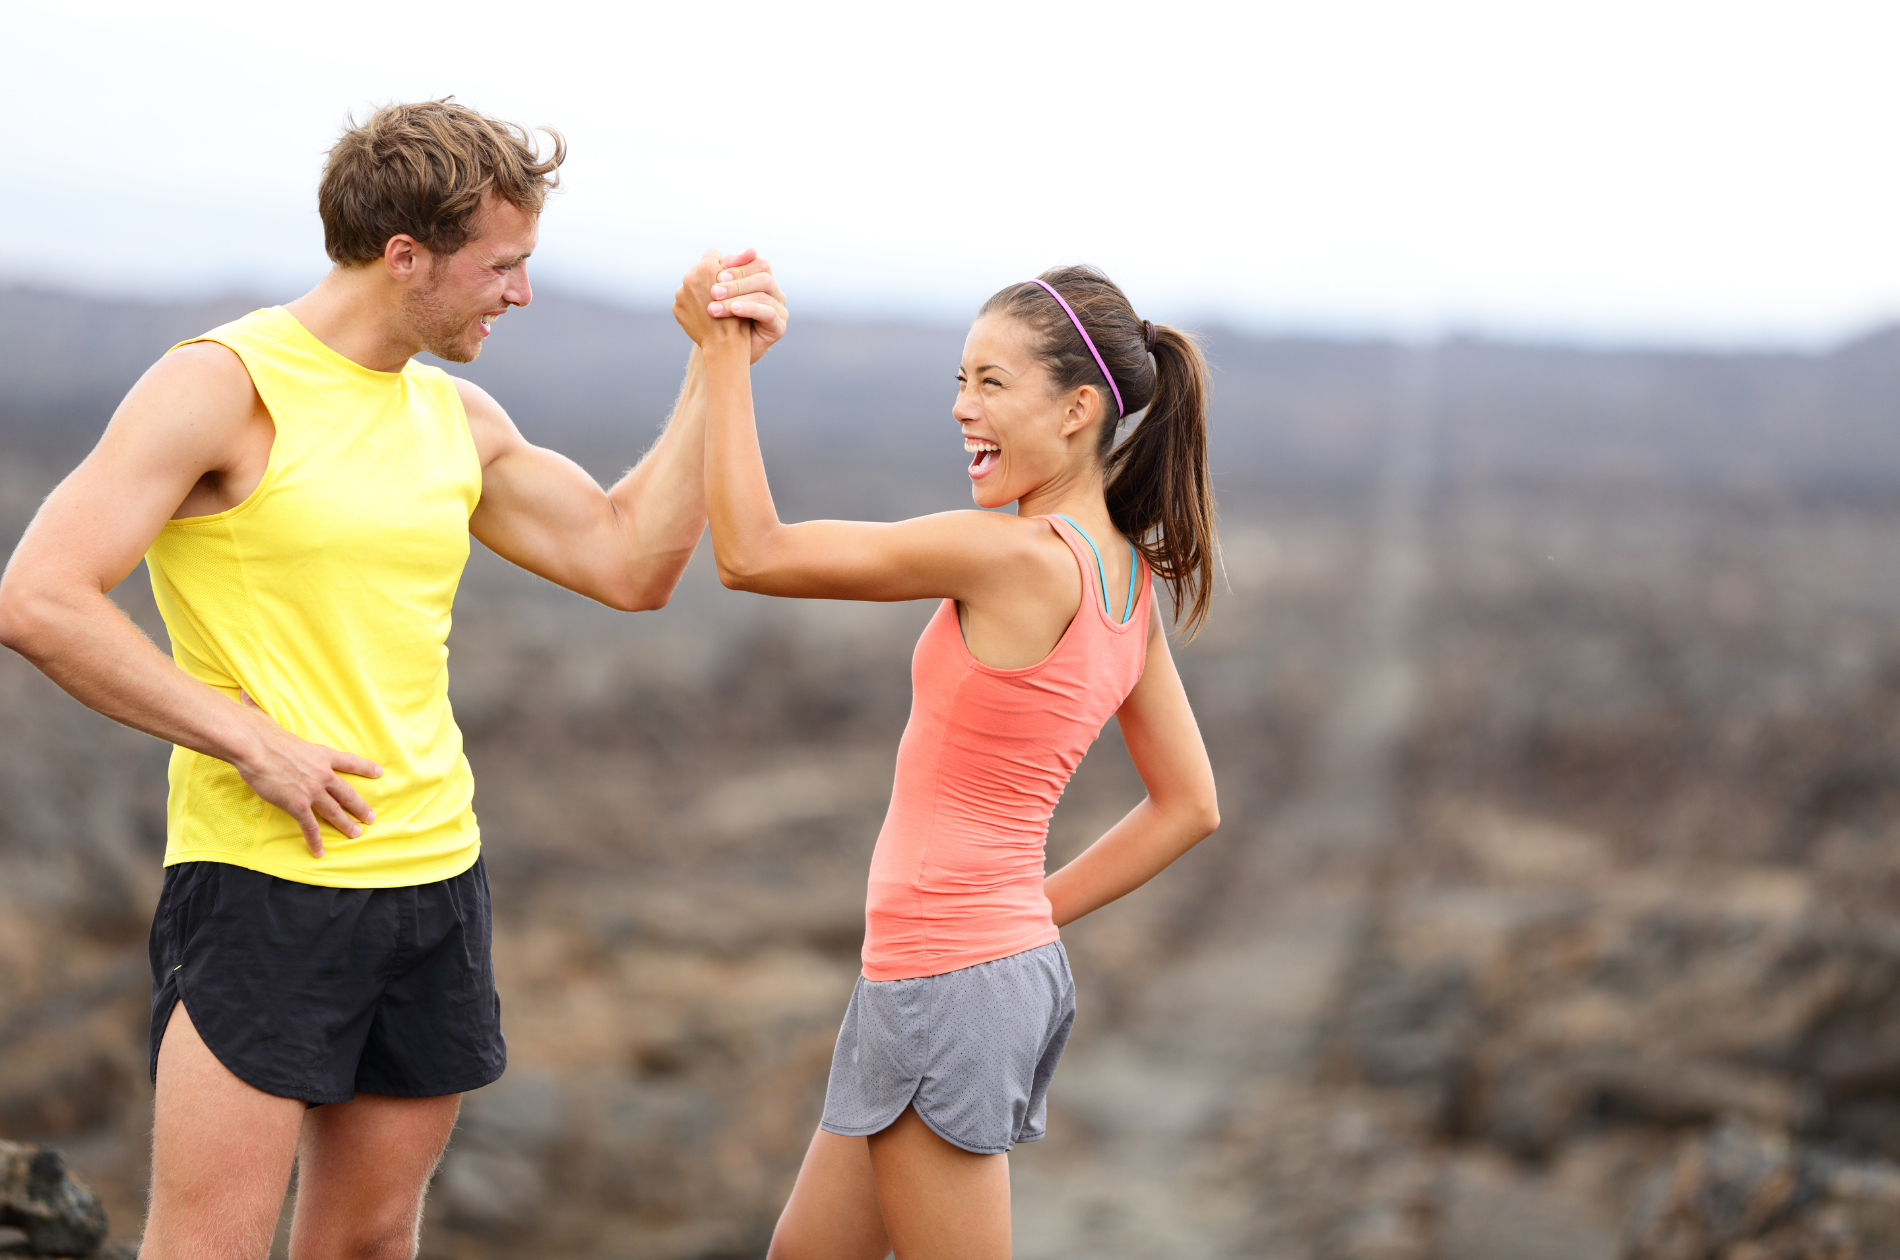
{"points": [[740, 286], [764, 312], [760, 282]]}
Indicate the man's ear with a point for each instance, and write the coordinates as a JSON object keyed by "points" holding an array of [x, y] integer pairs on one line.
{"points": [[402, 255]]}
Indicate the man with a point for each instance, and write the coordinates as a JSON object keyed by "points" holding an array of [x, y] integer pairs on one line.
{"points": [[303, 493]]}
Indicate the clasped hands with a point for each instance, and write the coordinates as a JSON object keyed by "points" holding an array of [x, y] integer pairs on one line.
{"points": [[731, 295]]}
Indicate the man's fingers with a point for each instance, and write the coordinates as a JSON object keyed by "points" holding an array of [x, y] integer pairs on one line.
{"points": [[701, 273], [350, 763], [312, 837], [347, 797], [743, 258], [327, 808]]}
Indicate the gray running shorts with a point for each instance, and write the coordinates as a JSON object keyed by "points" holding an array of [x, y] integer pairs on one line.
{"points": [[972, 1050]]}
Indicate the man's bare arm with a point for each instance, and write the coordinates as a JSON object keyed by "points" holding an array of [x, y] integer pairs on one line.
{"points": [[625, 547], [178, 424]]}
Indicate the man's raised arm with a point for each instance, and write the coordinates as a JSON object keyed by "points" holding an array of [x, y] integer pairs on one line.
{"points": [[185, 420], [627, 546]]}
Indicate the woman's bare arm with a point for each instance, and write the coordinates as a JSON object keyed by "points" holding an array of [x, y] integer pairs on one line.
{"points": [[952, 555], [1180, 811], [626, 546]]}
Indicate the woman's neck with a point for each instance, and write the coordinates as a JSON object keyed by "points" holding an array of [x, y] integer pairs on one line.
{"points": [[1079, 496]]}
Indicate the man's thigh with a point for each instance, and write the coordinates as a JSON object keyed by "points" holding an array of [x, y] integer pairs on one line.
{"points": [[221, 1155], [362, 1169]]}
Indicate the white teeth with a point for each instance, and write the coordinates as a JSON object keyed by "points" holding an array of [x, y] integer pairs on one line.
{"points": [[973, 445]]}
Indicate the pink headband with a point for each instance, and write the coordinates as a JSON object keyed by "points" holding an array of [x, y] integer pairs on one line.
{"points": [[1106, 374]]}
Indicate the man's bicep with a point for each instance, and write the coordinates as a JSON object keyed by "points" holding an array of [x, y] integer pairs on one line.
{"points": [[537, 506], [179, 422]]}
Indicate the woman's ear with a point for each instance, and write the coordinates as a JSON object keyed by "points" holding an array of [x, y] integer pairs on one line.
{"points": [[1086, 405]]}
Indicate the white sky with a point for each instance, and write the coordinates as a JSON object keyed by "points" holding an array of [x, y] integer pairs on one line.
{"points": [[1716, 172]]}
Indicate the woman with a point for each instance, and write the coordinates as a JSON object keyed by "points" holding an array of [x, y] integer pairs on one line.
{"points": [[1048, 626]]}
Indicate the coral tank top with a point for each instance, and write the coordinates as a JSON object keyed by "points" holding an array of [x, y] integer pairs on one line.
{"points": [[956, 878]]}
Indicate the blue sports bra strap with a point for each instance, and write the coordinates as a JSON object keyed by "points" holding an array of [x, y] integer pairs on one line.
{"points": [[1100, 570], [1134, 566]]}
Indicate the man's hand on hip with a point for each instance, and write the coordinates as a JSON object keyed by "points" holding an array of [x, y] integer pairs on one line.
{"points": [[302, 779]]}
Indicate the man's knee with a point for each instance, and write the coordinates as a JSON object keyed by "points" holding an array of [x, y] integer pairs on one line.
{"points": [[223, 1231], [399, 1242], [360, 1239]]}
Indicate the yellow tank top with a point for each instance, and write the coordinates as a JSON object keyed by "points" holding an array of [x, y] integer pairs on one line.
{"points": [[325, 596]]}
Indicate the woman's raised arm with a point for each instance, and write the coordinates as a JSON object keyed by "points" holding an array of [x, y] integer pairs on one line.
{"points": [[951, 555]]}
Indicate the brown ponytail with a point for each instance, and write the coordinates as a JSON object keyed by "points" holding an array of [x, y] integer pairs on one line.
{"points": [[1160, 495]]}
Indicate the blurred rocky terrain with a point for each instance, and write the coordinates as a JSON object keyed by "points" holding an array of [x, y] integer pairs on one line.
{"points": [[1555, 705], [46, 1210]]}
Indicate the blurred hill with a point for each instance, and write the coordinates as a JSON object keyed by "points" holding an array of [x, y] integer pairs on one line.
{"points": [[594, 380], [1554, 701]]}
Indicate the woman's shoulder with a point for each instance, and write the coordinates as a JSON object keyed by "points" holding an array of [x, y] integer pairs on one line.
{"points": [[1006, 538], [993, 546]]}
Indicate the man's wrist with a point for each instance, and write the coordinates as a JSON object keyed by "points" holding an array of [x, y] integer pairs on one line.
{"points": [[245, 740]]}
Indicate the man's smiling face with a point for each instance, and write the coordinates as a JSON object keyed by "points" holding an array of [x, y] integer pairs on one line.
{"points": [[456, 297]]}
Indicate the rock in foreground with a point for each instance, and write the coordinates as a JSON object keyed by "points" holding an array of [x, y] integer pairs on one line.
{"points": [[49, 1203]]}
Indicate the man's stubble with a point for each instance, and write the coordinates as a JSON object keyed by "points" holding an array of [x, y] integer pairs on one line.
{"points": [[438, 329]]}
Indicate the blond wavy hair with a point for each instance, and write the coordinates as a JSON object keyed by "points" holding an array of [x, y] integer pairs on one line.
{"points": [[424, 170]]}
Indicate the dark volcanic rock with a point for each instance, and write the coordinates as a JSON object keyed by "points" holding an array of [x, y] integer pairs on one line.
{"points": [[1744, 1192], [48, 1202]]}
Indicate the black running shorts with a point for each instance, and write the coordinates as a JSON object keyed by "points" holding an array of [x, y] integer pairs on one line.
{"points": [[324, 993]]}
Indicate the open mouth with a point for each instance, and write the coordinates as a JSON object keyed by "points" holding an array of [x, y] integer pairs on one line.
{"points": [[986, 453], [488, 322]]}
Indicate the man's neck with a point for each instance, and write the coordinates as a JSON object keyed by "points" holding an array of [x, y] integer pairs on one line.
{"points": [[351, 311]]}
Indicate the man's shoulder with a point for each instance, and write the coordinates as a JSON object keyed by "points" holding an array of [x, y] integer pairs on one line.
{"points": [[478, 405], [212, 366], [255, 331], [202, 372], [201, 394]]}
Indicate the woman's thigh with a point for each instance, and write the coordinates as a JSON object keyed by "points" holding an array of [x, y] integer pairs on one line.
{"points": [[833, 1213], [938, 1201]]}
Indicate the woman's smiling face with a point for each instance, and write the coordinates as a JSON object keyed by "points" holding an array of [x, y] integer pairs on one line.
{"points": [[1019, 434]]}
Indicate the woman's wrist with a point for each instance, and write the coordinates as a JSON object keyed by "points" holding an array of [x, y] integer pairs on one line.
{"points": [[730, 338]]}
